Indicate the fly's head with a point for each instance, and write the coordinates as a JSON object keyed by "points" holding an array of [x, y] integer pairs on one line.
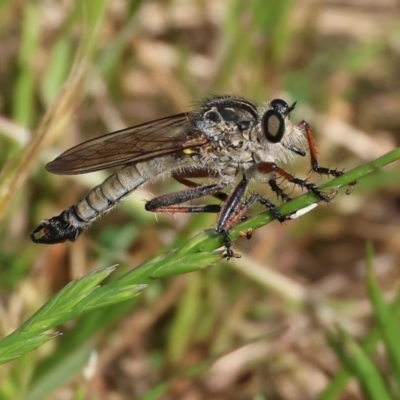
{"points": [[280, 138], [275, 122]]}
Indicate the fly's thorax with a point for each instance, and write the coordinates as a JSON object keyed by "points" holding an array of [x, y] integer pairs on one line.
{"points": [[224, 117]]}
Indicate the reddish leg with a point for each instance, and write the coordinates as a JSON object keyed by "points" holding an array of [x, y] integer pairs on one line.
{"points": [[198, 173], [271, 167], [168, 203], [313, 157]]}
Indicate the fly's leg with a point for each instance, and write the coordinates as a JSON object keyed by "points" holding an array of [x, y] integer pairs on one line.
{"points": [[198, 173], [168, 203], [228, 215], [277, 190], [271, 167], [234, 211], [229, 212], [313, 157]]}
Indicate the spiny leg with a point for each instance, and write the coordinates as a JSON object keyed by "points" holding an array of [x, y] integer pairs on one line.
{"points": [[235, 210], [182, 176], [303, 125], [271, 167], [168, 203], [277, 189], [230, 208], [201, 173]]}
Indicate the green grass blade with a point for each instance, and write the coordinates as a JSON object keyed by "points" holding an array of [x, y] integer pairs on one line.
{"points": [[57, 310], [361, 366], [57, 70], [82, 332], [387, 322], [18, 343], [184, 323], [58, 376], [53, 313], [339, 381], [157, 392], [25, 87]]}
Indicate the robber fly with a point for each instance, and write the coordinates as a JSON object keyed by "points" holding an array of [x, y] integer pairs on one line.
{"points": [[227, 139]]}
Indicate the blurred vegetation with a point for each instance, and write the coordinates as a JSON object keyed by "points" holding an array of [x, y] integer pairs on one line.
{"points": [[282, 321]]}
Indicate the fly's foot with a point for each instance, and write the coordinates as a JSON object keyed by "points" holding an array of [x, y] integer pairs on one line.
{"points": [[312, 188], [327, 171], [335, 173], [272, 208], [228, 253]]}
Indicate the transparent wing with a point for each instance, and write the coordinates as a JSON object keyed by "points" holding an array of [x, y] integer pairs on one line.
{"points": [[130, 145]]}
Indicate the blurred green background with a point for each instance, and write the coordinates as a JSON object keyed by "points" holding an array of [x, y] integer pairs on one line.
{"points": [[253, 328]]}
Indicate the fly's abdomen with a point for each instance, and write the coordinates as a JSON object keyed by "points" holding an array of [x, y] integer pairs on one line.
{"points": [[105, 196], [72, 222]]}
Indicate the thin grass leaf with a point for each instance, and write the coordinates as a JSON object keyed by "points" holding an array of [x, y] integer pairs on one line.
{"points": [[57, 70], [59, 308], [18, 343], [113, 55], [157, 392], [55, 312], [183, 325], [361, 366], [25, 86], [188, 263], [58, 376], [339, 381], [81, 334], [112, 293], [388, 324]]}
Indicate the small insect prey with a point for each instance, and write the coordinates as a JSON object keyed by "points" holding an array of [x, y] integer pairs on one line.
{"points": [[227, 139]]}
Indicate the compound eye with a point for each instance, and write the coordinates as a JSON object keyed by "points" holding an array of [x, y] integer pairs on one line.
{"points": [[279, 104], [273, 125]]}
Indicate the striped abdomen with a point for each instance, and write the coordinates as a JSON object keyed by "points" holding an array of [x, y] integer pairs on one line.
{"points": [[73, 221]]}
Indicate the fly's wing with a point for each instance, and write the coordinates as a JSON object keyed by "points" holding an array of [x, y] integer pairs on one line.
{"points": [[130, 145]]}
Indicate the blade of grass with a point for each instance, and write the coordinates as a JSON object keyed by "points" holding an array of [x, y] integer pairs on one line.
{"points": [[361, 366], [65, 371], [389, 326], [181, 329], [157, 392], [25, 87], [57, 70], [56, 311], [339, 381], [18, 343]]}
